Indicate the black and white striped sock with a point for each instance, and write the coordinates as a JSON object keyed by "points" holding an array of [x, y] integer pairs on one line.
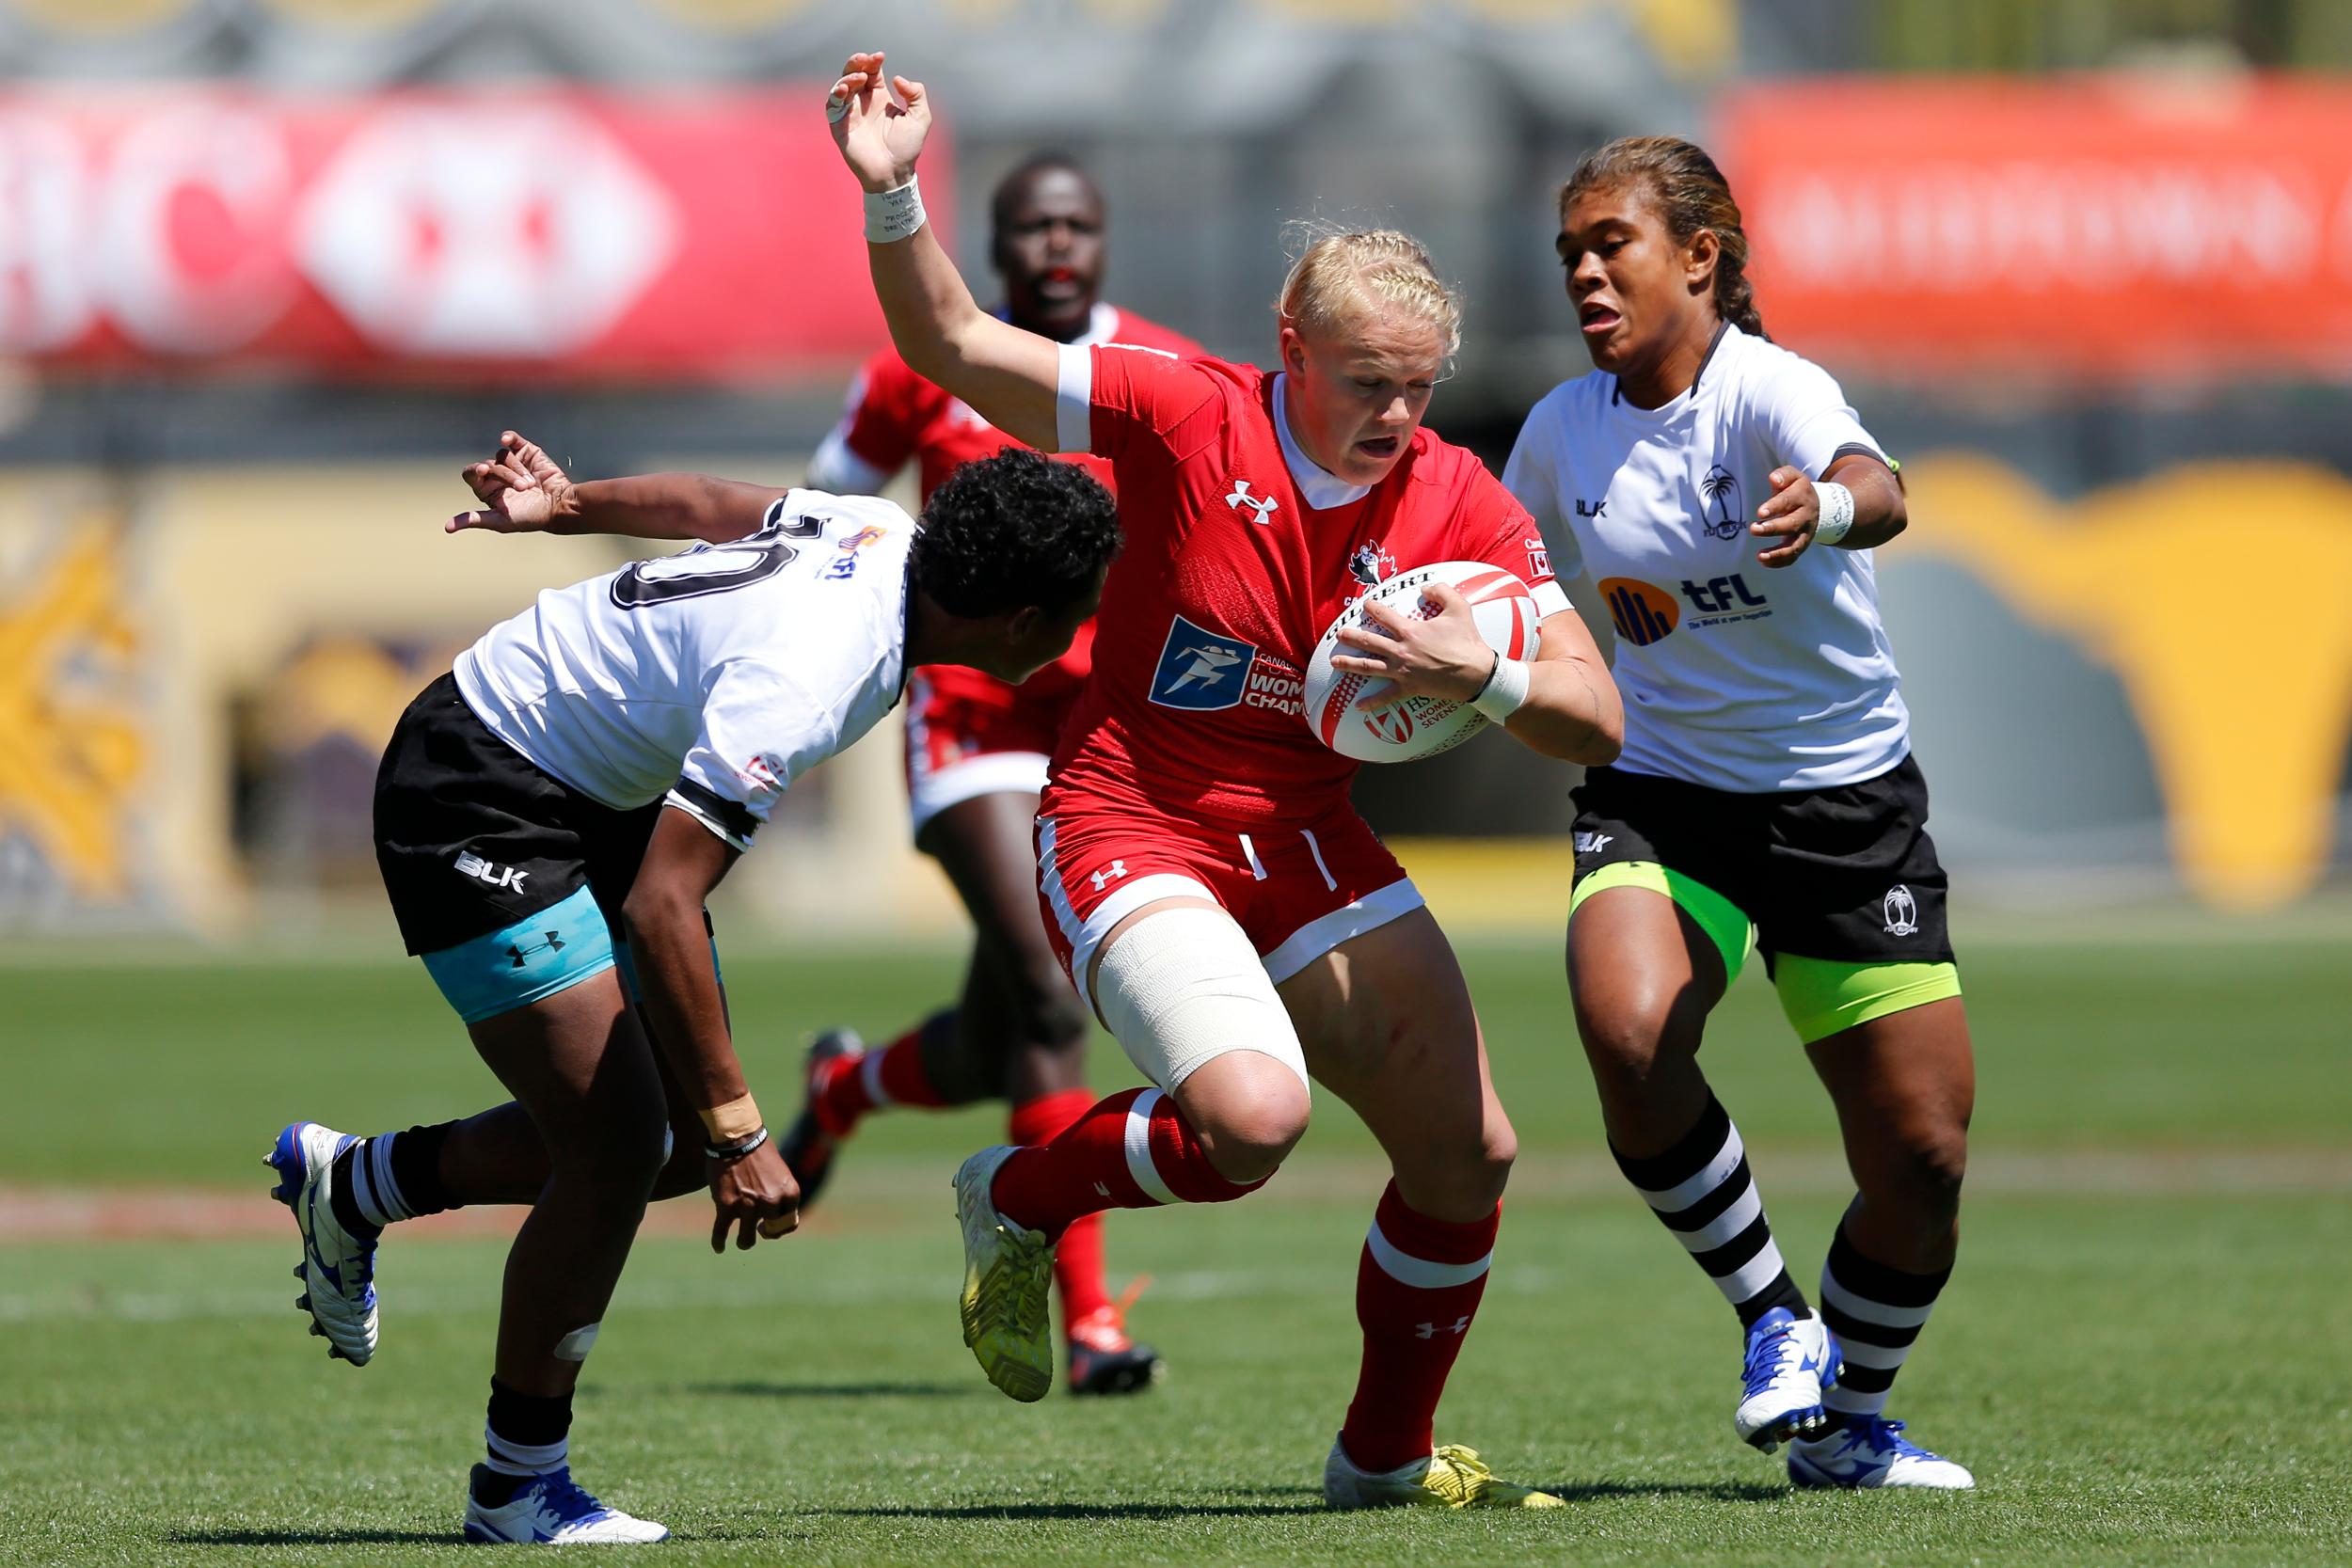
{"points": [[392, 1175], [1701, 1189], [527, 1434], [1876, 1312]]}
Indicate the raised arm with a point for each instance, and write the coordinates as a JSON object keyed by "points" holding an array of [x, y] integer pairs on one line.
{"points": [[1008, 376], [523, 490]]}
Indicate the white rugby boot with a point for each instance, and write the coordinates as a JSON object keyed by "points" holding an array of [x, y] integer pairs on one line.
{"points": [[338, 1268], [552, 1511], [1006, 1272], [1789, 1360], [1872, 1453]]}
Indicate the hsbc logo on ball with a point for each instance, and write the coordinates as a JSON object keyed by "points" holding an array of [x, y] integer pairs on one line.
{"points": [[349, 233]]}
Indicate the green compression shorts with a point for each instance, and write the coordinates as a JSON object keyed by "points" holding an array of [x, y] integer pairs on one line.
{"points": [[1820, 996]]}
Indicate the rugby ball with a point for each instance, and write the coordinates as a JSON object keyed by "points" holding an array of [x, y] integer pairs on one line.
{"points": [[1338, 701]]}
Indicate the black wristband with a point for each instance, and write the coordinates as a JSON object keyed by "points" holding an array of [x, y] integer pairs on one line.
{"points": [[737, 1151]]}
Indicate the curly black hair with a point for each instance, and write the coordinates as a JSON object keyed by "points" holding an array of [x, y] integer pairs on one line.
{"points": [[1012, 531]]}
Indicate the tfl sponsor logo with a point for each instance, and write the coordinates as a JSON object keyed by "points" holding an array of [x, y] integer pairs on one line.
{"points": [[1643, 612], [1201, 670], [1721, 596]]}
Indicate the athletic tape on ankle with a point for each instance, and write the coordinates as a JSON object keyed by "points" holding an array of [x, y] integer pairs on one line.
{"points": [[734, 1121], [574, 1346]]}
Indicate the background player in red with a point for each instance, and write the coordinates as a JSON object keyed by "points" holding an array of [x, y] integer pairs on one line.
{"points": [[977, 753], [1220, 904]]}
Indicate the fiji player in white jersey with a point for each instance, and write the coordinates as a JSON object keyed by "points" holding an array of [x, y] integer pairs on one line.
{"points": [[1725, 500], [563, 802]]}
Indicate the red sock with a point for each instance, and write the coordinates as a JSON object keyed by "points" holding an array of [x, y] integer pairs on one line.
{"points": [[1417, 1289], [1079, 1256], [1087, 1167], [892, 1076]]}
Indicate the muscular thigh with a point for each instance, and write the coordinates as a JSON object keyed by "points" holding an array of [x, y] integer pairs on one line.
{"points": [[1386, 1024]]}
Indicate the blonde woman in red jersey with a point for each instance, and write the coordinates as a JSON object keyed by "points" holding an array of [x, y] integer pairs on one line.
{"points": [[1220, 906], [977, 751]]}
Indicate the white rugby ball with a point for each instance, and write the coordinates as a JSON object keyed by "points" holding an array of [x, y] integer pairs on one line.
{"points": [[1338, 701]]}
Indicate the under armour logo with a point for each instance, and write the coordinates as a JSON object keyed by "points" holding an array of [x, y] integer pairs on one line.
{"points": [[1430, 1331], [553, 944], [1241, 498], [1108, 875]]}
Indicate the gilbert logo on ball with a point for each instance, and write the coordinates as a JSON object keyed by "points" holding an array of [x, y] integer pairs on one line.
{"points": [[1339, 704]]}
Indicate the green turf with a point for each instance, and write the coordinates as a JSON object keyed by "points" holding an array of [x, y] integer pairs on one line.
{"points": [[2143, 1377]]}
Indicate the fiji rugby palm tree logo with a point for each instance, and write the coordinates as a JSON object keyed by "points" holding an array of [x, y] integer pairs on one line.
{"points": [[1721, 492]]}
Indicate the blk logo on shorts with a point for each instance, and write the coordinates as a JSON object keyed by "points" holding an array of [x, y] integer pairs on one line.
{"points": [[1644, 612], [1201, 670], [1901, 910], [471, 864]]}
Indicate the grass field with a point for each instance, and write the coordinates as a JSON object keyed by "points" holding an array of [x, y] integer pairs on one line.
{"points": [[2146, 1356]]}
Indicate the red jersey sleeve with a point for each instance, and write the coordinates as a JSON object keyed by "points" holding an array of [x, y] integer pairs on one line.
{"points": [[1123, 402], [878, 431]]}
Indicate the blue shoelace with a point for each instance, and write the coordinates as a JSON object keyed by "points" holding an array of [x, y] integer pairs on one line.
{"points": [[565, 1498], [1765, 1358]]}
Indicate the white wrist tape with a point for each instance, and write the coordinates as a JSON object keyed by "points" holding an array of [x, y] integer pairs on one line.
{"points": [[894, 215], [1506, 691], [1837, 513]]}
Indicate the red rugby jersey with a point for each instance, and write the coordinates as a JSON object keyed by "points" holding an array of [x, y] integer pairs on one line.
{"points": [[1229, 577], [895, 417]]}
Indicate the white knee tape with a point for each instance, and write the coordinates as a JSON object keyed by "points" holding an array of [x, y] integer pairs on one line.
{"points": [[1182, 985], [574, 1346]]}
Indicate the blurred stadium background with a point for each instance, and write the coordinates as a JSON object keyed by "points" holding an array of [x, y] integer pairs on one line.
{"points": [[271, 269]]}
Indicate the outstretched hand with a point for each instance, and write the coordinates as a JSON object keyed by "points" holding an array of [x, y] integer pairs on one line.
{"points": [[879, 122], [521, 489]]}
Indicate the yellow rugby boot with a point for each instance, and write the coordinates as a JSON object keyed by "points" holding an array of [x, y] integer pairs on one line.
{"points": [[1453, 1476], [1007, 1271]]}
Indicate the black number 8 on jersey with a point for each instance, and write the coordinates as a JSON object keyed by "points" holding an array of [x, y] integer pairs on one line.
{"points": [[715, 568]]}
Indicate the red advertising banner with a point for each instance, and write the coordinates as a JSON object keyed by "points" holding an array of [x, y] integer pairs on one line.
{"points": [[524, 233], [2107, 227]]}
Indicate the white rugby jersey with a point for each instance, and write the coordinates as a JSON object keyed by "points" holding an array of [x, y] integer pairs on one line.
{"points": [[716, 677], [1736, 676]]}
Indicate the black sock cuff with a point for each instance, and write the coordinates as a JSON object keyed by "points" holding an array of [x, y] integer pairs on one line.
{"points": [[1686, 1159], [416, 1169], [531, 1421], [1782, 1291], [1875, 1281]]}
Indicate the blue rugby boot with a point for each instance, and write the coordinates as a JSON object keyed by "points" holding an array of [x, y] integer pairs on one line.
{"points": [[552, 1511], [1869, 1453], [1789, 1360], [337, 1267]]}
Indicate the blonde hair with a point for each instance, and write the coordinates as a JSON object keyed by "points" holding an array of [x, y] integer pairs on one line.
{"points": [[1342, 277]]}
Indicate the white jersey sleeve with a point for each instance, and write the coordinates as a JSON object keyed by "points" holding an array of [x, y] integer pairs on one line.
{"points": [[1533, 477], [1805, 416]]}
